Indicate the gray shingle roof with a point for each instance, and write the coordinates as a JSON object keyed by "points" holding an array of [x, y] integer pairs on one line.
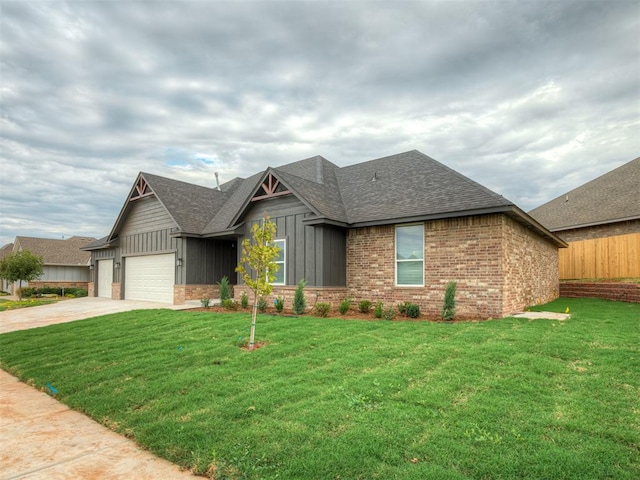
{"points": [[191, 206], [614, 196], [6, 250], [407, 186], [57, 252], [410, 184]]}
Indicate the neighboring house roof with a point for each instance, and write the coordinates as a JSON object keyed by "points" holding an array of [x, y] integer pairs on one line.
{"points": [[612, 197], [6, 250], [56, 252], [405, 187]]}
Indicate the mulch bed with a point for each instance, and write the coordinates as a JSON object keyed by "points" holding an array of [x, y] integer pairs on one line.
{"points": [[350, 315]]}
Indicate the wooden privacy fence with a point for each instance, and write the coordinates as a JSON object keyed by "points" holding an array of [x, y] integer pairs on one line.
{"points": [[609, 257]]}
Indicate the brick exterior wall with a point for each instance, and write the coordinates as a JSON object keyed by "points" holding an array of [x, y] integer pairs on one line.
{"points": [[491, 257], [182, 293], [116, 292], [600, 231], [333, 295], [54, 284], [625, 292], [530, 268], [91, 289]]}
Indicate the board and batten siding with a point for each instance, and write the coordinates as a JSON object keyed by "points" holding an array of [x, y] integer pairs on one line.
{"points": [[207, 261], [146, 230], [316, 254]]}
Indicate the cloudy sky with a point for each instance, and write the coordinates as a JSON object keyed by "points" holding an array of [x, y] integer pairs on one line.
{"points": [[529, 98]]}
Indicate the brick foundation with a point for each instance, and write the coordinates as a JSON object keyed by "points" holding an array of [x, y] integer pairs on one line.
{"points": [[625, 292], [332, 295], [91, 289], [116, 292], [53, 284], [182, 293]]}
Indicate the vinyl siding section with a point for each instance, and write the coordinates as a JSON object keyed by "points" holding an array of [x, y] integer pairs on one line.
{"points": [[55, 273]]}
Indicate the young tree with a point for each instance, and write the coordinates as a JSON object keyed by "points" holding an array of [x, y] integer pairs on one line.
{"points": [[21, 266], [257, 265]]}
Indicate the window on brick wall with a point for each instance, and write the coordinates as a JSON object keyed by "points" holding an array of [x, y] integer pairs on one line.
{"points": [[281, 262], [410, 255]]}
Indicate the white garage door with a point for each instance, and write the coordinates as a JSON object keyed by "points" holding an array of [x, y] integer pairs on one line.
{"points": [[105, 278], [150, 278]]}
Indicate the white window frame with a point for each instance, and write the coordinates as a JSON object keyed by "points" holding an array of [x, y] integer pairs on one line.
{"points": [[396, 260], [282, 244]]}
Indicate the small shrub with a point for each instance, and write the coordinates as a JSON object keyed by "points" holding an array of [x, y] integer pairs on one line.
{"points": [[364, 306], [402, 308], [299, 302], [26, 292], [322, 309], [378, 310], [278, 304], [262, 305], [225, 289], [244, 301], [344, 306], [412, 310], [230, 304], [449, 307], [389, 313], [205, 302], [3, 293]]}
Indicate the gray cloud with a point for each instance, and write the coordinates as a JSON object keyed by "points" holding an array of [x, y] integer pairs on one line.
{"points": [[529, 98]]}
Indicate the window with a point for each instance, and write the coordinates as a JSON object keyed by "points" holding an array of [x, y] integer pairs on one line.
{"points": [[281, 262], [410, 255]]}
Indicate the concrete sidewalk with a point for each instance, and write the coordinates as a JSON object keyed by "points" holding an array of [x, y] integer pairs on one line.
{"points": [[74, 309], [42, 438]]}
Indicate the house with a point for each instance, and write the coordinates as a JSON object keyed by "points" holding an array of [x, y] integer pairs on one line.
{"points": [[601, 222], [5, 285], [393, 229], [65, 264]]}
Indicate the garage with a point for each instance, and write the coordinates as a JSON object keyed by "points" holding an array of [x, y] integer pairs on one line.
{"points": [[150, 278], [105, 278]]}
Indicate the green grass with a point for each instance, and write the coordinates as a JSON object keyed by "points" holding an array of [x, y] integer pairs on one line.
{"points": [[341, 399]]}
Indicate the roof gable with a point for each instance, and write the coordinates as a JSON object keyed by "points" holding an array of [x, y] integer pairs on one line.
{"points": [[191, 207], [612, 197]]}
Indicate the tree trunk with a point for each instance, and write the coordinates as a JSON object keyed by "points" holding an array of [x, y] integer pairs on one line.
{"points": [[252, 336]]}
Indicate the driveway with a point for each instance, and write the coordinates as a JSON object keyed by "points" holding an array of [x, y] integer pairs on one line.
{"points": [[42, 438], [74, 309]]}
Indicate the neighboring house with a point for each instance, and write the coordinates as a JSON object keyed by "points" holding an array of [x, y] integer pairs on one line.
{"points": [[601, 222], [65, 264], [393, 229], [5, 286]]}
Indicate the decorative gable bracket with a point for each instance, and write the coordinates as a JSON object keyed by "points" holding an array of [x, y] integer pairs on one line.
{"points": [[141, 189], [270, 188]]}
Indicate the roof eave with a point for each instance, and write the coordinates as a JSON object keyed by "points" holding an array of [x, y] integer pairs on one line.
{"points": [[526, 219], [432, 216]]}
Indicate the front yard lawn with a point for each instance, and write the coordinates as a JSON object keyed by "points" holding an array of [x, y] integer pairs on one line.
{"points": [[345, 399]]}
